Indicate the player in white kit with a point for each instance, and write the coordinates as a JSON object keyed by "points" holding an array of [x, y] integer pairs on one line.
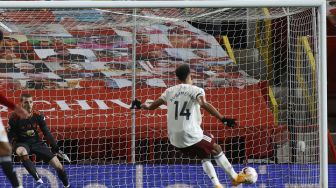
{"points": [[184, 125]]}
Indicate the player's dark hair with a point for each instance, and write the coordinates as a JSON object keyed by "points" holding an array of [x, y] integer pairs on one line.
{"points": [[182, 72], [25, 95]]}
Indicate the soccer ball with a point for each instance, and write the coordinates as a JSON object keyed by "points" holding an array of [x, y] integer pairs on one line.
{"points": [[251, 175]]}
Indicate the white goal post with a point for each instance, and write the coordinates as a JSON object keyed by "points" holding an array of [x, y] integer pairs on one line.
{"points": [[320, 59]]}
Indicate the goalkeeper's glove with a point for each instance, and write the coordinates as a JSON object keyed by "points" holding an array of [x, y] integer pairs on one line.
{"points": [[64, 156], [136, 104], [229, 122]]}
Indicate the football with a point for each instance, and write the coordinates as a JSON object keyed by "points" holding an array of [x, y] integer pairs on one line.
{"points": [[251, 175]]}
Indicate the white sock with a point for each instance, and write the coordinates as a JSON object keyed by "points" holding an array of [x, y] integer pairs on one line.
{"points": [[210, 171], [40, 181], [223, 162]]}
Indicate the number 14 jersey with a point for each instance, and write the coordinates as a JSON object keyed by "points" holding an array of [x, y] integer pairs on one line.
{"points": [[184, 116]]}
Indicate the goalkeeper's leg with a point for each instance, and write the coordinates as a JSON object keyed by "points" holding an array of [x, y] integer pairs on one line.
{"points": [[43, 152], [60, 171], [6, 163], [22, 150]]}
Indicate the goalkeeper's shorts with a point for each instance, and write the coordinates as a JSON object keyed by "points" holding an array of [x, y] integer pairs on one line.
{"points": [[201, 149], [40, 149]]}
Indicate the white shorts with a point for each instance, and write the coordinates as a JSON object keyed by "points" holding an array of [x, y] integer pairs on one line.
{"points": [[3, 133]]}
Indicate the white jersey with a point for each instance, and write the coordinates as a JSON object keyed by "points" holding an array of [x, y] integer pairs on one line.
{"points": [[184, 115]]}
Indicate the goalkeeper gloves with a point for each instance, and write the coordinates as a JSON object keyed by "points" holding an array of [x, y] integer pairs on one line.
{"points": [[136, 104], [229, 122], [55, 149], [64, 156]]}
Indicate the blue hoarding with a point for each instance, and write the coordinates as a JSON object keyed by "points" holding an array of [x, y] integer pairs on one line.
{"points": [[172, 176]]}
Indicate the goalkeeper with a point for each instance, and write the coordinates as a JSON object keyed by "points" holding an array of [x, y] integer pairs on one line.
{"points": [[184, 125], [23, 134]]}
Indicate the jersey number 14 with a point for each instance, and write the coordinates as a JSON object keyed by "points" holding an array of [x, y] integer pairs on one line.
{"points": [[184, 111]]}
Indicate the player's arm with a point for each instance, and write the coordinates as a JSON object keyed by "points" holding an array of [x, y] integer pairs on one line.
{"points": [[208, 107], [213, 111], [46, 132], [136, 104], [22, 113], [154, 105], [6, 102]]}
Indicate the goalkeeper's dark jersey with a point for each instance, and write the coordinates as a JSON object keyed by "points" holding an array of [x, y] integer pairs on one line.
{"points": [[26, 130]]}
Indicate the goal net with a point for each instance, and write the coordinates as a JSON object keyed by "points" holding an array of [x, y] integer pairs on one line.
{"points": [[84, 66]]}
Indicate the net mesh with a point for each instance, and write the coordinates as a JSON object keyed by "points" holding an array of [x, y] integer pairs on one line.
{"points": [[257, 65]]}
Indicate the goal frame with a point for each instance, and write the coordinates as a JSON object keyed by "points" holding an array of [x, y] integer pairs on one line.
{"points": [[322, 51]]}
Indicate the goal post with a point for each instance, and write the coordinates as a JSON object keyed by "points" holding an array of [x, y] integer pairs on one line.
{"points": [[262, 62], [162, 4]]}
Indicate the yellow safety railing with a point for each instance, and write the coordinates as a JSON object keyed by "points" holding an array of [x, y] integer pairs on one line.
{"points": [[264, 46], [229, 49], [303, 43], [274, 105]]}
